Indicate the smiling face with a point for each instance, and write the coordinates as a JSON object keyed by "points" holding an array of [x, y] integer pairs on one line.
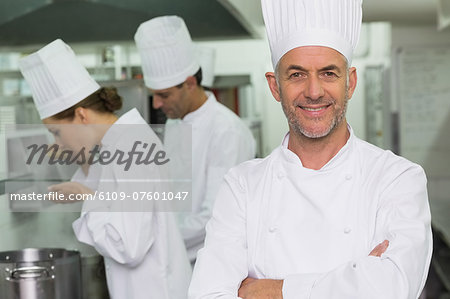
{"points": [[313, 85]]}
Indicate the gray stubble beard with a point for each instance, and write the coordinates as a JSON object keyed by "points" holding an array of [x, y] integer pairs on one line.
{"points": [[295, 125]]}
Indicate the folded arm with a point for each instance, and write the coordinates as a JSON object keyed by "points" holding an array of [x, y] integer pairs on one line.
{"points": [[252, 288]]}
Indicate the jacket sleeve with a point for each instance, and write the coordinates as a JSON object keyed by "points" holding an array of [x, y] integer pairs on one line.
{"points": [[222, 264], [403, 218], [124, 237], [228, 148], [121, 230]]}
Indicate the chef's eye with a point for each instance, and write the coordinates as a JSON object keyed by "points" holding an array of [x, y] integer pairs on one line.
{"points": [[329, 76], [162, 95], [295, 75]]}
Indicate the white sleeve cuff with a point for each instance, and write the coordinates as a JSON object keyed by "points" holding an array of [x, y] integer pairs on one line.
{"points": [[299, 286]]}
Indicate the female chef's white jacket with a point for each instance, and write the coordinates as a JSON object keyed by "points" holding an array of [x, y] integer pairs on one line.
{"points": [[144, 253], [275, 219]]}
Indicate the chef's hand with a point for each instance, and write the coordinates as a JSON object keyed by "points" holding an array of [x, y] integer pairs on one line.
{"points": [[379, 249], [69, 188], [261, 289]]}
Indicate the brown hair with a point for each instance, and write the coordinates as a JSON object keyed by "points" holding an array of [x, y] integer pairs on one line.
{"points": [[104, 100], [198, 76]]}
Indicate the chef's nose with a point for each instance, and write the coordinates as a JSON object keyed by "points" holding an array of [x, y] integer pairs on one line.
{"points": [[157, 102], [314, 89]]}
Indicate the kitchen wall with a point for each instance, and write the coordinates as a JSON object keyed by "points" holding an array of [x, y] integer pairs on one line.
{"points": [[427, 37], [408, 36]]}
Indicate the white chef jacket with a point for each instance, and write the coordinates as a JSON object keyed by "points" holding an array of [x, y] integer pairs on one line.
{"points": [[144, 253], [220, 140], [276, 219], [90, 179]]}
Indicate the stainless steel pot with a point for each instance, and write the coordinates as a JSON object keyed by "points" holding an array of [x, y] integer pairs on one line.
{"points": [[50, 273]]}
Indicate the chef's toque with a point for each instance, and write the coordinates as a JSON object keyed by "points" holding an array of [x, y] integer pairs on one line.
{"points": [[206, 57], [56, 78], [295, 23], [167, 52]]}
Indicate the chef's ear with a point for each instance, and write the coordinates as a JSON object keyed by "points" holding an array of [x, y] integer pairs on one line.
{"points": [[273, 85], [190, 82], [81, 115], [352, 79]]}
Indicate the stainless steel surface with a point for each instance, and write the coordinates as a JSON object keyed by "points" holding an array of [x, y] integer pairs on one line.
{"points": [[30, 272], [40, 273], [31, 283]]}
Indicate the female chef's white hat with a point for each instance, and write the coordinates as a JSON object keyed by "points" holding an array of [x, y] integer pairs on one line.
{"points": [[295, 23], [167, 52], [56, 78], [207, 58]]}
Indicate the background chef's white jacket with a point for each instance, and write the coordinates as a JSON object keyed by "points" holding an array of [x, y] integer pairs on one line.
{"points": [[220, 140], [275, 219], [144, 253]]}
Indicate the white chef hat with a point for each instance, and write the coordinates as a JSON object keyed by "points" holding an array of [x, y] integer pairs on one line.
{"points": [[295, 23], [56, 78], [207, 57], [167, 52]]}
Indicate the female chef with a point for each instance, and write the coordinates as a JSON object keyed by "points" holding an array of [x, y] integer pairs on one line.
{"points": [[144, 254]]}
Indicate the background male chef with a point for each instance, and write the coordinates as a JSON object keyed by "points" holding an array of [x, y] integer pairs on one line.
{"points": [[325, 215], [220, 139]]}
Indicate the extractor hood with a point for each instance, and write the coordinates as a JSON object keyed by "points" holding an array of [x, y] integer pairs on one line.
{"points": [[24, 22]]}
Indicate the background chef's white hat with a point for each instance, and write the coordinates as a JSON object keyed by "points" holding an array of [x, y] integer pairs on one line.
{"points": [[56, 78], [167, 52], [207, 58], [295, 23]]}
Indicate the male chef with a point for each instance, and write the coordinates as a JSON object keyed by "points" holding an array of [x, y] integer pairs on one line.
{"points": [[220, 139], [325, 215]]}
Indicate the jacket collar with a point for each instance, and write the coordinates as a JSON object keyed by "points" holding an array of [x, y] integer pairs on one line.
{"points": [[202, 110], [339, 158], [132, 117]]}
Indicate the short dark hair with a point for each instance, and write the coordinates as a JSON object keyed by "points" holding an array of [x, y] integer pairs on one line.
{"points": [[198, 77]]}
